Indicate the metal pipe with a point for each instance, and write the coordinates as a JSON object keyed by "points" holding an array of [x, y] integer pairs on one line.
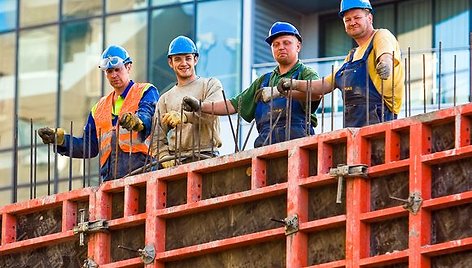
{"points": [[212, 127], [158, 134], [406, 89], [153, 129], [439, 78], [117, 136], [230, 122], [308, 127], [455, 77], [383, 99], [393, 84], [89, 154], [238, 122], [271, 111], [180, 134], [56, 177], [200, 127], [424, 84], [409, 82], [130, 153], [49, 168], [31, 158], [322, 106], [35, 161], [71, 151], [288, 126], [248, 134], [99, 155], [367, 115], [332, 97]]}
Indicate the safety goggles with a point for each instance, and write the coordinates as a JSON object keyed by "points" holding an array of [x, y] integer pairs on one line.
{"points": [[111, 63]]}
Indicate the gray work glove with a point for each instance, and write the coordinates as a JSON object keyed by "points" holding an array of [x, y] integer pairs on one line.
{"points": [[190, 104], [266, 94], [286, 84], [383, 69], [48, 135]]}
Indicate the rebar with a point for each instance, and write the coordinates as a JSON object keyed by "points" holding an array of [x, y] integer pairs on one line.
{"points": [[230, 122], [193, 139], [383, 99], [424, 83], [99, 155], [322, 105], [212, 127], [180, 135], [393, 84], [31, 158], [288, 114], [153, 129], [200, 127], [89, 149], [158, 135], [306, 108], [332, 97], [367, 101], [117, 137], [84, 143], [71, 151], [248, 134], [49, 168], [439, 74], [406, 88], [271, 110], [130, 153], [309, 109], [409, 82], [35, 161], [56, 177], [455, 77]]}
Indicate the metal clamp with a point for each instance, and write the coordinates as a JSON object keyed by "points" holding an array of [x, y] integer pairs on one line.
{"points": [[412, 204], [84, 227], [147, 254], [347, 171], [89, 263], [290, 223]]}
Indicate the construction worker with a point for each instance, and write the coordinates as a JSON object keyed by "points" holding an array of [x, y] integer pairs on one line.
{"points": [[129, 108], [366, 74], [187, 136], [265, 104]]}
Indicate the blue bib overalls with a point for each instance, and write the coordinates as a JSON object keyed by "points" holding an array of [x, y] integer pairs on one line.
{"points": [[352, 78], [262, 117]]}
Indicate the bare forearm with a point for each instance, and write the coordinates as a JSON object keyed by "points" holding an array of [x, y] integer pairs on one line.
{"points": [[316, 87]]}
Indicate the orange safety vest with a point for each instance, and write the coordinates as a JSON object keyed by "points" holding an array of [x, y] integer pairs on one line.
{"points": [[103, 122]]}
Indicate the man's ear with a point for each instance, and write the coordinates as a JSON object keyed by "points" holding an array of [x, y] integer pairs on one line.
{"points": [[196, 59], [169, 61], [299, 46]]}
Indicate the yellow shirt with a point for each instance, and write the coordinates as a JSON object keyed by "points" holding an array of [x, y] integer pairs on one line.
{"points": [[384, 42]]}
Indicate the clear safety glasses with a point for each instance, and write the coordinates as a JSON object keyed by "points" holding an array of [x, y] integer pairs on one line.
{"points": [[111, 63]]}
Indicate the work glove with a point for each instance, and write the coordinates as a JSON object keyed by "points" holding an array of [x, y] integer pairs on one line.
{"points": [[173, 119], [168, 164], [190, 104], [286, 84], [383, 69], [48, 135], [131, 121], [265, 93]]}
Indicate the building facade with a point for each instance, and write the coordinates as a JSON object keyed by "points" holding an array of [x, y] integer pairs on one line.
{"points": [[50, 51]]}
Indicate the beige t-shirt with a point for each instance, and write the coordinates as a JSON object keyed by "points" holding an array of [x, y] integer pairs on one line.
{"points": [[195, 130]]}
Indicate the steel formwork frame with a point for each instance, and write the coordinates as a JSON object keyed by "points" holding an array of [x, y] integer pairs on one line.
{"points": [[356, 220]]}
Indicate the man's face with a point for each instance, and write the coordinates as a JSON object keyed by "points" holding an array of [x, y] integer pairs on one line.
{"points": [[183, 65], [285, 49], [357, 23], [119, 77]]}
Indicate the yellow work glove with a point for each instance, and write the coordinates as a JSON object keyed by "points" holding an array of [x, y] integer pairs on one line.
{"points": [[168, 164], [48, 135], [173, 119], [131, 121]]}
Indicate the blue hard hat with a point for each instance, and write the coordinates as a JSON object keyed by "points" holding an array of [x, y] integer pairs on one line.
{"points": [[352, 4], [282, 28], [182, 45], [114, 56]]}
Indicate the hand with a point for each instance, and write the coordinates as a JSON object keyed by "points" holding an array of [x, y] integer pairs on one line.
{"points": [[383, 69], [168, 164], [190, 104], [131, 121], [266, 94], [48, 135], [286, 84], [173, 119]]}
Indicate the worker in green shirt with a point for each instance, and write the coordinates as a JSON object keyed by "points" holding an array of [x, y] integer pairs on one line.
{"points": [[262, 102]]}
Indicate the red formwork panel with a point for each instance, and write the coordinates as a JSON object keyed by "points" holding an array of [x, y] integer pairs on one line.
{"points": [[174, 212]]}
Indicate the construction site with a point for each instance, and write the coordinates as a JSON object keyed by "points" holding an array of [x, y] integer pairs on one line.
{"points": [[397, 194]]}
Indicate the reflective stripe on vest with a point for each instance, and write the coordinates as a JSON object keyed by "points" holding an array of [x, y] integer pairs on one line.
{"points": [[103, 122]]}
